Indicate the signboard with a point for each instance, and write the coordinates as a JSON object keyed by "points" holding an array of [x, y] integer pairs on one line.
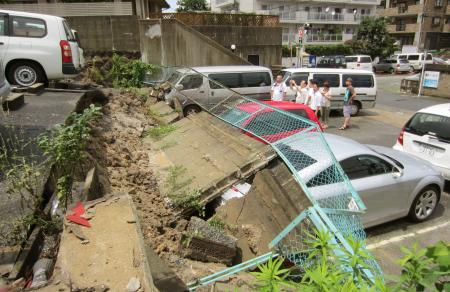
{"points": [[408, 49], [431, 79], [312, 61]]}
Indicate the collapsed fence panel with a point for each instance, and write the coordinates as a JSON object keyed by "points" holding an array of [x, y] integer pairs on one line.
{"points": [[336, 206]]}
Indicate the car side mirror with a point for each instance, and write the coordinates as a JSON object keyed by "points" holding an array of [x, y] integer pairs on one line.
{"points": [[397, 172], [179, 87]]}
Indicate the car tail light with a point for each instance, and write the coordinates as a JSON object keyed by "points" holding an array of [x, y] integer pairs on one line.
{"points": [[400, 137], [66, 51], [398, 65], [358, 64]]}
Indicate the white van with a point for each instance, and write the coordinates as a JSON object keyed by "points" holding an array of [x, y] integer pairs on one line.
{"points": [[364, 83], [37, 47], [416, 60], [196, 86], [360, 62]]}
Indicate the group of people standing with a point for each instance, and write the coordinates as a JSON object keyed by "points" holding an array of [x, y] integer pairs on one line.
{"points": [[318, 99]]}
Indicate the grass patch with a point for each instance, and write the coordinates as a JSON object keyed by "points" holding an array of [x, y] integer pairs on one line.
{"points": [[161, 131], [217, 223]]}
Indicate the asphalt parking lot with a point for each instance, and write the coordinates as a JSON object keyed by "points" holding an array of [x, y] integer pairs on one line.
{"points": [[380, 126]]}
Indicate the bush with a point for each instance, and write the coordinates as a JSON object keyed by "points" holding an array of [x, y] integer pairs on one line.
{"points": [[325, 50], [126, 73]]}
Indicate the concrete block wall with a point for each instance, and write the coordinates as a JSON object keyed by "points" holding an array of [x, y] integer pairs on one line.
{"points": [[107, 33], [443, 89], [168, 42]]}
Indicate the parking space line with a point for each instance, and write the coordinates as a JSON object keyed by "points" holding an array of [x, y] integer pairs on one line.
{"points": [[402, 237]]}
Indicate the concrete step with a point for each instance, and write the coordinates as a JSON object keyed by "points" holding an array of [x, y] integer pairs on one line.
{"points": [[13, 101]]}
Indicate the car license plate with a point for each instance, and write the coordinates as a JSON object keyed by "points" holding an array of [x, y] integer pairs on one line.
{"points": [[429, 150]]}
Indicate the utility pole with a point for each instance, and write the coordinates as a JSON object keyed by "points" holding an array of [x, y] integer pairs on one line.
{"points": [[422, 73]]}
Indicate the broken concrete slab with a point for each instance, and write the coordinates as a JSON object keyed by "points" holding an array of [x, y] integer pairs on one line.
{"points": [[13, 101], [206, 243], [163, 113], [207, 156], [273, 201], [110, 255], [36, 88]]}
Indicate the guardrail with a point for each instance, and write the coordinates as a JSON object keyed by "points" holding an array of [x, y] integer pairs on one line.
{"points": [[193, 19], [74, 9]]}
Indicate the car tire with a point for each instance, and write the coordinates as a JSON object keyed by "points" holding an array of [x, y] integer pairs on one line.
{"points": [[356, 107], [25, 74], [191, 109], [391, 70], [424, 204], [411, 69], [374, 70]]}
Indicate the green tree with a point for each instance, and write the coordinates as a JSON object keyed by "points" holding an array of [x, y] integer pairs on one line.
{"points": [[192, 5], [373, 39]]}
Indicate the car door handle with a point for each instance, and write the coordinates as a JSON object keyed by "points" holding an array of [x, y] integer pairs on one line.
{"points": [[2, 43], [201, 91]]}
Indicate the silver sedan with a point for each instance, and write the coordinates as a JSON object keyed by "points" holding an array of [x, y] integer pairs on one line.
{"points": [[392, 184]]}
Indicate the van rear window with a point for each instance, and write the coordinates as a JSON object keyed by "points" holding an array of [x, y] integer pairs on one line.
{"points": [[28, 27], [351, 59], [366, 60], [359, 80], [413, 57], [423, 123]]}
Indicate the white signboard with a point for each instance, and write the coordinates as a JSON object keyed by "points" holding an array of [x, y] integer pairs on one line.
{"points": [[431, 79], [408, 49]]}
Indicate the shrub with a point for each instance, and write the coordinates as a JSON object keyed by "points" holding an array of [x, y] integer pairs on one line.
{"points": [[126, 73]]}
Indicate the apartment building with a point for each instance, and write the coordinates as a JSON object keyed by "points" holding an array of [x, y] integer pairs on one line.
{"points": [[422, 23], [328, 22]]}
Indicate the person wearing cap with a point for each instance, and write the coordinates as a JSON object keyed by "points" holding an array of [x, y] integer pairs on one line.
{"points": [[279, 89], [349, 96]]}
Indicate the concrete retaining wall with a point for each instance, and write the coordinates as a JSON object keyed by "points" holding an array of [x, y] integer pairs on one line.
{"points": [[170, 43], [107, 33], [443, 89]]}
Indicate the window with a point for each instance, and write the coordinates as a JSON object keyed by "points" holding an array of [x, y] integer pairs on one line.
{"points": [[301, 160], [256, 79], [264, 7], [351, 59], [423, 123], [364, 166], [359, 80], [403, 61], [365, 60], [69, 34], [192, 81], [269, 123], [337, 10], [402, 7], [413, 57], [323, 177], [436, 21], [299, 112], [429, 57], [298, 77], [403, 57], [230, 80], [438, 3], [28, 27], [333, 79], [3, 25]]}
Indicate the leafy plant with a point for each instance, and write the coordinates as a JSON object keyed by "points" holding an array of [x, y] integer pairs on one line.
{"points": [[161, 131], [192, 5], [126, 73], [65, 146], [271, 277], [217, 223]]}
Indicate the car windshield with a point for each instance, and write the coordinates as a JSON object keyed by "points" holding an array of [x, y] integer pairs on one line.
{"points": [[434, 125]]}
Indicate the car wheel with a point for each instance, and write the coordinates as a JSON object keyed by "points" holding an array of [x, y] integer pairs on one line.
{"points": [[25, 74], [424, 204], [356, 107], [391, 70], [374, 70], [411, 69], [191, 109]]}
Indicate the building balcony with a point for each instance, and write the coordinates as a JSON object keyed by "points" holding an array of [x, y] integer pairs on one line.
{"points": [[317, 38], [223, 3], [315, 17], [403, 28], [400, 11]]}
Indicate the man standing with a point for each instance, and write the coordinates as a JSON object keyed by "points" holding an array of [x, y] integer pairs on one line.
{"points": [[349, 96], [316, 97], [279, 89]]}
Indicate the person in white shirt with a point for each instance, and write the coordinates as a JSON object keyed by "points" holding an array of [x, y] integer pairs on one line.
{"points": [[326, 104], [316, 97], [301, 91], [279, 89]]}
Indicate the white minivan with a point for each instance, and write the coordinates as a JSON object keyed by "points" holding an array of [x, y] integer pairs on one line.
{"points": [[37, 47], [202, 86], [416, 60], [360, 62], [427, 136], [364, 83]]}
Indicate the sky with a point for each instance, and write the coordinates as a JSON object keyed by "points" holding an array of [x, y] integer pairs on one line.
{"points": [[173, 4]]}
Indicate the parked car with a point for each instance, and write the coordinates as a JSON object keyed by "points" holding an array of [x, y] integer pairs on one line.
{"points": [[207, 86], [361, 62], [439, 61], [4, 85], [363, 81], [392, 184], [37, 47], [392, 66], [416, 60], [337, 62], [427, 136], [265, 123]]}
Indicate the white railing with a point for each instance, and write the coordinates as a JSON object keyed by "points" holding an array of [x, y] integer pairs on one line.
{"points": [[74, 9], [324, 38]]}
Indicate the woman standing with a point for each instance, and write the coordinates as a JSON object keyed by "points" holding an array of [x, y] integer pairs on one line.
{"points": [[325, 106], [301, 92]]}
